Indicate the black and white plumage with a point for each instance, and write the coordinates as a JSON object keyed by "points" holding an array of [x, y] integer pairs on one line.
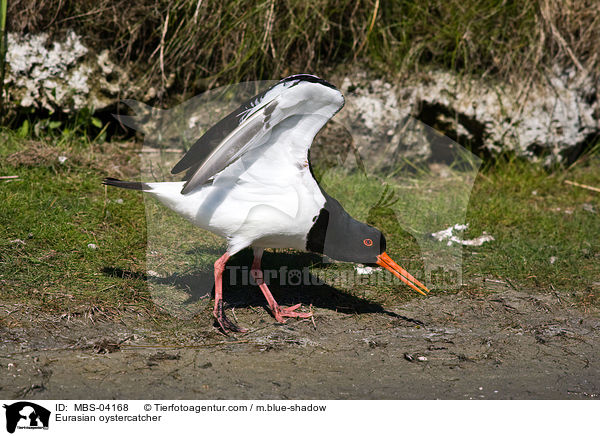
{"points": [[248, 179]]}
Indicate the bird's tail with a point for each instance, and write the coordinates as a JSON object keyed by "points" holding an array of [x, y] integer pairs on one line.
{"points": [[137, 186]]}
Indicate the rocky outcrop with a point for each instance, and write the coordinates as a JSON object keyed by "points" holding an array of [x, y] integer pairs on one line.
{"points": [[548, 122], [61, 75]]}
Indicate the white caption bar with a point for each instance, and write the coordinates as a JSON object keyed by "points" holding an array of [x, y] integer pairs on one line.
{"points": [[160, 417]]}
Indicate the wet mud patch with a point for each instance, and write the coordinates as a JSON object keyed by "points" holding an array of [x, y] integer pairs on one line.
{"points": [[503, 343]]}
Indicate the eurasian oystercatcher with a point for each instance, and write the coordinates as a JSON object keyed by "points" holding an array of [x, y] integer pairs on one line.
{"points": [[249, 180]]}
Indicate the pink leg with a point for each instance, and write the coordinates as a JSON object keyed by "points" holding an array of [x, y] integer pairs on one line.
{"points": [[278, 312], [218, 312]]}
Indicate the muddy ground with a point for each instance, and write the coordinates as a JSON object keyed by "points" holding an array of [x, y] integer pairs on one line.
{"points": [[499, 344]]}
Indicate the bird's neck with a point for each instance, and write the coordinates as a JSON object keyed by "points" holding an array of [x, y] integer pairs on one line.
{"points": [[329, 232]]}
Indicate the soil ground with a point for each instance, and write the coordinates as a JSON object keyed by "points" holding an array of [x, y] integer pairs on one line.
{"points": [[500, 344]]}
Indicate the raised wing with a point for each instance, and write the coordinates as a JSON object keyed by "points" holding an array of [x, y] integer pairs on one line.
{"points": [[252, 123]]}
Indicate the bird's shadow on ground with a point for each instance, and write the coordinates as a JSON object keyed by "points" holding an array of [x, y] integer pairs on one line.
{"points": [[286, 274]]}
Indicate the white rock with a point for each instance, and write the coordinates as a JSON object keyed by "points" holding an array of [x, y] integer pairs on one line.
{"points": [[448, 234], [364, 270], [153, 273], [57, 74]]}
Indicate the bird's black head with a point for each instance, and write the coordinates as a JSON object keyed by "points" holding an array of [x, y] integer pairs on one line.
{"points": [[339, 236]]}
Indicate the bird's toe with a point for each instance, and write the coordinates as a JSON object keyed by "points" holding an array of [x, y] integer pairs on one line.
{"points": [[224, 323], [290, 312]]}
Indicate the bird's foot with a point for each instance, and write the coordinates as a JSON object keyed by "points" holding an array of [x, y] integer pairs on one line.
{"points": [[226, 325], [280, 313]]}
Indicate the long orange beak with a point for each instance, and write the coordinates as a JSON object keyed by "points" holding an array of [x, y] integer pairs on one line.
{"points": [[386, 261]]}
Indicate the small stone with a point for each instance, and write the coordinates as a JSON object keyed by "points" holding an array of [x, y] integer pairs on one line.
{"points": [[363, 270], [589, 207]]}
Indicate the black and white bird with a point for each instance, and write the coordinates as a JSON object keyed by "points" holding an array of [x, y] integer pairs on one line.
{"points": [[249, 180]]}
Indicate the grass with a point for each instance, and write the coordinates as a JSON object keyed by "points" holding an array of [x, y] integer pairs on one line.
{"points": [[546, 231], [49, 216], [52, 211]]}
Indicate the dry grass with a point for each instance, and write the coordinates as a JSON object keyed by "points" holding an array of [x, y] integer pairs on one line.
{"points": [[189, 45], [118, 159]]}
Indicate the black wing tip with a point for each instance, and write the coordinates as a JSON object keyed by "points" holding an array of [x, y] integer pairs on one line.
{"points": [[308, 78], [189, 187], [179, 167], [137, 186]]}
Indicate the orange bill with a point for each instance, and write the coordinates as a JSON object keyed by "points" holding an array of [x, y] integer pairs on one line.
{"points": [[386, 261]]}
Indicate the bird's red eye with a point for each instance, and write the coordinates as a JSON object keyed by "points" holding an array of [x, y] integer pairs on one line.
{"points": [[368, 242]]}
